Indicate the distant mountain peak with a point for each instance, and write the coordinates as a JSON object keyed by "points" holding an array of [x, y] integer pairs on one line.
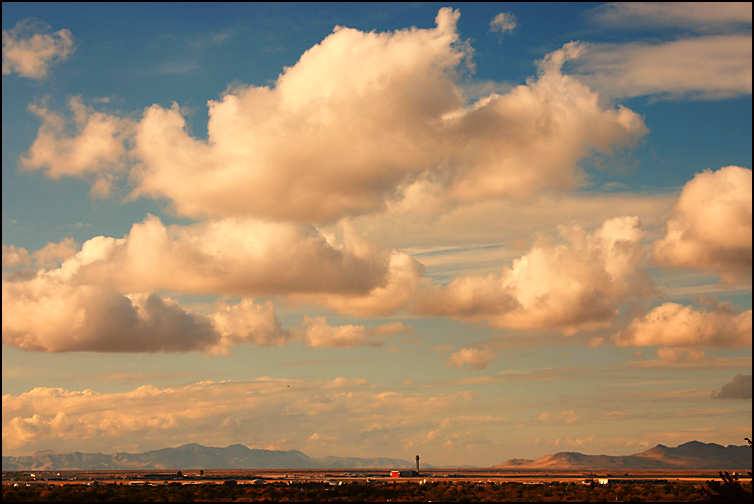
{"points": [[691, 455], [195, 456]]}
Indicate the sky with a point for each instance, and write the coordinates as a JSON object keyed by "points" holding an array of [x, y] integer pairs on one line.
{"points": [[468, 231]]}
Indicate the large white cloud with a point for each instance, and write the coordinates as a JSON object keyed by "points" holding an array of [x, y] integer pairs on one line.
{"points": [[42, 314], [360, 121], [107, 295], [710, 228], [569, 286], [30, 51], [362, 118]]}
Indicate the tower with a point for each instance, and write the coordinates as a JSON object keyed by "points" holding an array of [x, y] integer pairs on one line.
{"points": [[417, 464]]}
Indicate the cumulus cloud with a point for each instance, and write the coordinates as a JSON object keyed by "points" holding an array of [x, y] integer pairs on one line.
{"points": [[676, 325], [52, 253], [503, 22], [478, 358], [92, 145], [398, 289], [710, 228], [313, 146], [738, 388], [104, 297], [42, 315], [569, 286], [15, 256], [247, 322], [233, 257], [30, 50]]}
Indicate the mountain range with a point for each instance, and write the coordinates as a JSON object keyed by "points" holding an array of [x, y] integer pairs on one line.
{"points": [[193, 456], [691, 455]]}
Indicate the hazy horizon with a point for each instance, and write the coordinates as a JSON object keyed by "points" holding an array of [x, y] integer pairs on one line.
{"points": [[677, 456], [459, 230]]}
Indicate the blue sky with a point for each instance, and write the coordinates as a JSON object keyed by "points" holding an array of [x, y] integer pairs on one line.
{"points": [[473, 231]]}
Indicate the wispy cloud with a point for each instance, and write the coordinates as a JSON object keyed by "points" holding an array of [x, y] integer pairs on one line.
{"points": [[704, 16], [708, 58], [177, 67], [503, 22], [706, 67]]}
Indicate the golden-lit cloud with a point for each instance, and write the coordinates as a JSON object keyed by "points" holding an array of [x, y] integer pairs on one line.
{"points": [[577, 284], [363, 419], [315, 332], [676, 325], [15, 256], [476, 357], [53, 253], [95, 148], [477, 248], [30, 50], [234, 257], [710, 229], [247, 322], [312, 147], [104, 297], [398, 289], [709, 56], [43, 315], [709, 67]]}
